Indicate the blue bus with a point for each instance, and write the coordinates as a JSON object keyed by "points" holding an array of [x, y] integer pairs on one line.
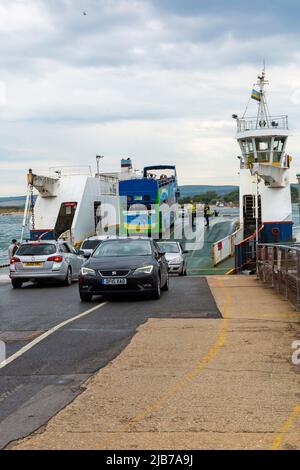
{"points": [[146, 203]]}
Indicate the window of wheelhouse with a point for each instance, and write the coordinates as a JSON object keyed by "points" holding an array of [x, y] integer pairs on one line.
{"points": [[263, 149], [65, 217], [278, 146], [248, 147]]}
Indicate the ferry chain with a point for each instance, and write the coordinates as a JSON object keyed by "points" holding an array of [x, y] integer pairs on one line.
{"points": [[32, 215], [32, 206]]}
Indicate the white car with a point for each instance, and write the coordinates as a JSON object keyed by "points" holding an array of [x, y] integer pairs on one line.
{"points": [[175, 256]]}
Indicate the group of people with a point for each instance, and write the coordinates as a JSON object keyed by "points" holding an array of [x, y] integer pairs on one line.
{"points": [[206, 212], [153, 176]]}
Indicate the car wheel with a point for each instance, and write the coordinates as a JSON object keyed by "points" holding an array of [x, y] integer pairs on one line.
{"points": [[85, 296], [157, 292], [68, 280], [182, 271], [16, 283], [166, 286]]}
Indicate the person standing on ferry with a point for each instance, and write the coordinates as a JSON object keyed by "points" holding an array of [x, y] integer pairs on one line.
{"points": [[12, 248]]}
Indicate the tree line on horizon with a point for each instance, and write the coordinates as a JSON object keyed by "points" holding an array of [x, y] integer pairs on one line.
{"points": [[211, 197]]}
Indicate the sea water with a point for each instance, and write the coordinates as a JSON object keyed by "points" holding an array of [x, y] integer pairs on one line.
{"points": [[10, 227]]}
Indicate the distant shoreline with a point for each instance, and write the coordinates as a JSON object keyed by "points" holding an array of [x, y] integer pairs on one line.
{"points": [[11, 210]]}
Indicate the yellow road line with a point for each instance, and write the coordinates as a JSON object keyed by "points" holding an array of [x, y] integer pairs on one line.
{"points": [[285, 428], [206, 269], [190, 376], [230, 271]]}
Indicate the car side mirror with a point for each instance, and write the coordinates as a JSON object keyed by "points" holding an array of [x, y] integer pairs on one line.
{"points": [[87, 255], [185, 252], [80, 252]]}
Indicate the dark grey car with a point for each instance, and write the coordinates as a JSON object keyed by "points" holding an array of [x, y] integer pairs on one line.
{"points": [[124, 265]]}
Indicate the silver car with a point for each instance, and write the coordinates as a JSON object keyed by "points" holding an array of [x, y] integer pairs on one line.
{"points": [[90, 244], [175, 256], [45, 261]]}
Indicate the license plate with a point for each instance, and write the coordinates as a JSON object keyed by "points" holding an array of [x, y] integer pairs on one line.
{"points": [[33, 264], [114, 282]]}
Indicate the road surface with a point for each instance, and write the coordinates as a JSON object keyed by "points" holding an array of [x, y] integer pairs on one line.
{"points": [[45, 378]]}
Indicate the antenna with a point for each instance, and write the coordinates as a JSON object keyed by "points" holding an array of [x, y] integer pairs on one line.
{"points": [[263, 115]]}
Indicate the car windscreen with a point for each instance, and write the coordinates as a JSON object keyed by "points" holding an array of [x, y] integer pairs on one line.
{"points": [[35, 250], [124, 248], [90, 244], [168, 247]]}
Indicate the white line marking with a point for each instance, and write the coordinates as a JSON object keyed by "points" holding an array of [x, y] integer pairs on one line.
{"points": [[46, 334]]}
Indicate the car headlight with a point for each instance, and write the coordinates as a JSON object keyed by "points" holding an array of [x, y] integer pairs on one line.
{"points": [[144, 269], [86, 271], [175, 261]]}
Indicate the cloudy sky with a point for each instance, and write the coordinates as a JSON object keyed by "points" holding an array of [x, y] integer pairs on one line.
{"points": [[157, 80]]}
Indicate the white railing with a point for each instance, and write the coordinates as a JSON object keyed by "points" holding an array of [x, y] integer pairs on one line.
{"points": [[70, 170], [224, 248], [272, 122]]}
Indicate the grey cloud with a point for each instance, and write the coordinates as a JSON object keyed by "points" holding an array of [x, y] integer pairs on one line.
{"points": [[188, 34]]}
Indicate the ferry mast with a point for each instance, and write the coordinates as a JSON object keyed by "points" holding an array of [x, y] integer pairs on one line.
{"points": [[265, 198]]}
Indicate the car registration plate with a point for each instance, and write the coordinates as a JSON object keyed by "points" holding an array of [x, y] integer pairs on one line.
{"points": [[33, 264], [114, 282]]}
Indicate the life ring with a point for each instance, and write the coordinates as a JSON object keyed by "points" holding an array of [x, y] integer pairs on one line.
{"points": [[275, 231]]}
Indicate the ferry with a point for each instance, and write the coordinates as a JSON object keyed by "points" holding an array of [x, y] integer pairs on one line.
{"points": [[265, 195]]}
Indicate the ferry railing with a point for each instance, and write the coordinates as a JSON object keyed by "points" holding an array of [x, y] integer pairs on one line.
{"points": [[278, 266], [251, 123], [70, 170], [166, 181], [223, 249], [245, 252]]}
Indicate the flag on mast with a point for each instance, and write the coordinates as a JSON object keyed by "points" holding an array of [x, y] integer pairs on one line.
{"points": [[256, 95]]}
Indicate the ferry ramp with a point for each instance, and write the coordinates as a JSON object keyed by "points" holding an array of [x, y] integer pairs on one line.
{"points": [[198, 241]]}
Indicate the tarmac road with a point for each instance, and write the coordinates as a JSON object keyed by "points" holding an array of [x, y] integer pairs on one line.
{"points": [[40, 382]]}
